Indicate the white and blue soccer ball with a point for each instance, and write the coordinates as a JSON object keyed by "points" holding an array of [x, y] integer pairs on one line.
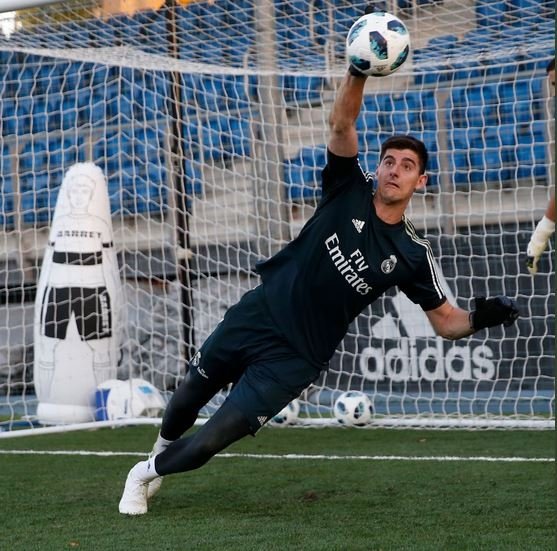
{"points": [[377, 44], [353, 408], [117, 399], [287, 415]]}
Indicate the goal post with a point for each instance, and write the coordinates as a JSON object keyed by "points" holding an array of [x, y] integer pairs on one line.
{"points": [[210, 123]]}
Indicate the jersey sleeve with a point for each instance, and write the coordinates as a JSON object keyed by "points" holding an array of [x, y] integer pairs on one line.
{"points": [[340, 171], [426, 289]]}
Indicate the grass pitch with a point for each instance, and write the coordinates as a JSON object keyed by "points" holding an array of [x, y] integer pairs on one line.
{"points": [[253, 502]]}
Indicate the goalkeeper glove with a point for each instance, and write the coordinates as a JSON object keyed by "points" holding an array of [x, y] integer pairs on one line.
{"points": [[538, 242], [493, 311]]}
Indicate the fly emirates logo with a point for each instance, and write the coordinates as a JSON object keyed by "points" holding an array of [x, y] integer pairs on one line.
{"points": [[349, 266]]}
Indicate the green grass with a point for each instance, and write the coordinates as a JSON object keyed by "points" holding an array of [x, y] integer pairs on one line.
{"points": [[71, 502]]}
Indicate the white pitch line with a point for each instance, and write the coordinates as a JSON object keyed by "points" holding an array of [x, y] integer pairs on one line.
{"points": [[296, 456]]}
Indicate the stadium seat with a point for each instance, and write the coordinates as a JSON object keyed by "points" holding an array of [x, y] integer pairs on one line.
{"points": [[194, 178], [320, 17], [344, 17], [444, 44], [6, 187], [8, 121], [526, 13], [490, 13], [101, 35], [240, 137], [302, 174], [39, 119], [23, 109], [131, 31], [77, 33], [302, 90]]}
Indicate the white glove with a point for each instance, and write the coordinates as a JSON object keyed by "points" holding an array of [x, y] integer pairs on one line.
{"points": [[538, 242]]}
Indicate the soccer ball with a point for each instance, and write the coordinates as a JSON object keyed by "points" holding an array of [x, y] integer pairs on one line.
{"points": [[116, 399], [377, 44], [353, 408], [287, 415]]}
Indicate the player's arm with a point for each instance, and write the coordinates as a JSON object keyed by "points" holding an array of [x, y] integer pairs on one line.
{"points": [[343, 139], [453, 323], [541, 236]]}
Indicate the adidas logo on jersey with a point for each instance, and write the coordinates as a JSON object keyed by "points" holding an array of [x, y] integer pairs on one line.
{"points": [[358, 224]]}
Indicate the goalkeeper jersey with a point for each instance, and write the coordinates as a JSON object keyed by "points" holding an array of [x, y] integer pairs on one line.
{"points": [[343, 259]]}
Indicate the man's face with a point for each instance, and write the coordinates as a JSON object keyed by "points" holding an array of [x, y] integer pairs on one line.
{"points": [[398, 176]]}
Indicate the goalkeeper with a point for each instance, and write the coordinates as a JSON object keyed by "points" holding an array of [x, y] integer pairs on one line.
{"points": [[280, 336], [546, 226]]}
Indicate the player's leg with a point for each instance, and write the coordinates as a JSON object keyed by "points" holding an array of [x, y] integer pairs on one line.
{"points": [[180, 414], [227, 425], [192, 394], [217, 363], [263, 390]]}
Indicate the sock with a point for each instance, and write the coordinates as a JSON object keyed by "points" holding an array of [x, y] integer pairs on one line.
{"points": [[145, 471], [161, 444]]}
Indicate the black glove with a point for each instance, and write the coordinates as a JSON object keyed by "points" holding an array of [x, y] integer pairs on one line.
{"points": [[354, 71], [493, 311]]}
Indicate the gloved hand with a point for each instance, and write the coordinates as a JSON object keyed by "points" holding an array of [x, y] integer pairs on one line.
{"points": [[493, 311]]}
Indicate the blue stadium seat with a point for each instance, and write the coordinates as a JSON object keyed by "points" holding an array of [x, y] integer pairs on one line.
{"points": [[320, 22], [6, 188], [210, 95], [9, 78], [101, 33], [23, 109], [26, 81], [445, 43], [527, 13], [34, 179], [131, 31], [236, 89], [302, 90], [506, 134], [302, 174], [8, 120], [39, 119], [490, 13], [370, 160], [344, 17], [194, 178], [429, 137], [113, 153], [77, 34], [531, 161], [460, 168]]}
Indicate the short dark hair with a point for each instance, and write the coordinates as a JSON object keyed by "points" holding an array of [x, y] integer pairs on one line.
{"points": [[550, 66], [406, 142]]}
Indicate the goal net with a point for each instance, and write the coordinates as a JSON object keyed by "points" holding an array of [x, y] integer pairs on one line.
{"points": [[209, 121]]}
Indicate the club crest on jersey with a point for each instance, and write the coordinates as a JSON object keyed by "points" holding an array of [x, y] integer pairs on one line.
{"points": [[388, 265]]}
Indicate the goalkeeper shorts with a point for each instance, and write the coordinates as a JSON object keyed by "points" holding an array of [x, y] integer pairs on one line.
{"points": [[247, 349]]}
